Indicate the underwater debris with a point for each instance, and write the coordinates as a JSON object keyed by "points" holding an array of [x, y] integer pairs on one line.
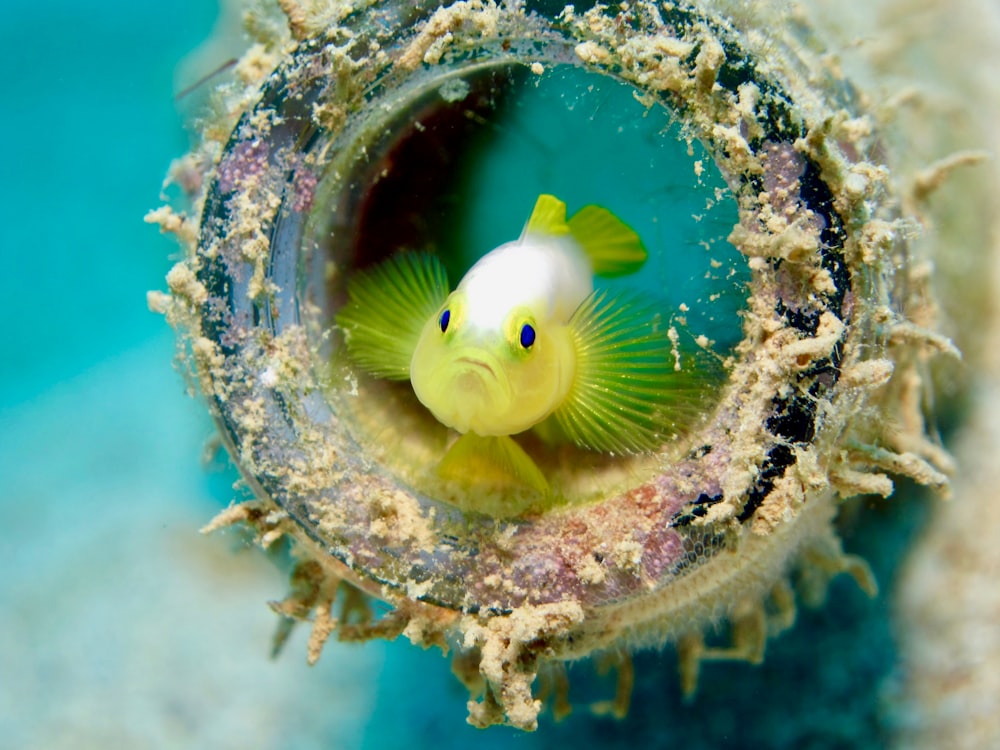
{"points": [[821, 398]]}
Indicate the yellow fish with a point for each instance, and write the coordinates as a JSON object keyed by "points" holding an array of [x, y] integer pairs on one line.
{"points": [[525, 342]]}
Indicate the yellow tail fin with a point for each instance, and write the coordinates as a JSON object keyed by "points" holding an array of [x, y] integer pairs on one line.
{"points": [[613, 247]]}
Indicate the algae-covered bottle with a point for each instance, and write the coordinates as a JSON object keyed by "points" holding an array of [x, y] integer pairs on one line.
{"points": [[724, 341]]}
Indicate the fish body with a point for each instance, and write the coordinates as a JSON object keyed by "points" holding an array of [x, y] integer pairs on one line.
{"points": [[524, 341]]}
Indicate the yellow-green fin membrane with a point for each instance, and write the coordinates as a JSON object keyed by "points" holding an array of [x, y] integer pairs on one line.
{"points": [[613, 247], [491, 460], [628, 395], [386, 310], [548, 216]]}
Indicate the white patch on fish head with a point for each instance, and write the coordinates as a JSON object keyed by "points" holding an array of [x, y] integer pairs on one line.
{"points": [[550, 275]]}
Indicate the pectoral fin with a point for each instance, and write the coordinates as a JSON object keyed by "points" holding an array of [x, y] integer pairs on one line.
{"points": [[491, 460], [633, 388], [386, 311]]}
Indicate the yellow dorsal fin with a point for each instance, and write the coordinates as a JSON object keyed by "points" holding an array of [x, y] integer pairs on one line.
{"points": [[548, 216], [613, 247]]}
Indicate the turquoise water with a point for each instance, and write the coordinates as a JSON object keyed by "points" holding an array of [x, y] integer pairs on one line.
{"points": [[121, 626], [586, 139]]}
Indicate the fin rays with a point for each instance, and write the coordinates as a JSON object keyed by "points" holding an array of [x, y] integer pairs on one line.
{"points": [[386, 311], [627, 395]]}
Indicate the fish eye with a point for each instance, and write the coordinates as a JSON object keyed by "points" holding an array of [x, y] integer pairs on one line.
{"points": [[527, 336], [445, 318]]}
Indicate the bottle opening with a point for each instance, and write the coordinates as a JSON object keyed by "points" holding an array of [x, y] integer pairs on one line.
{"points": [[454, 171]]}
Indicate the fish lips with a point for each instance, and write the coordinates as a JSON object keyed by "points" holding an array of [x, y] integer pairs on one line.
{"points": [[482, 372], [477, 388]]}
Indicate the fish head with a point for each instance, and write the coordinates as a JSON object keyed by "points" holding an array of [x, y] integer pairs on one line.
{"points": [[498, 375]]}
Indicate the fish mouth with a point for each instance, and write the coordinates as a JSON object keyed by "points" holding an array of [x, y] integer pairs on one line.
{"points": [[482, 380], [476, 365]]}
